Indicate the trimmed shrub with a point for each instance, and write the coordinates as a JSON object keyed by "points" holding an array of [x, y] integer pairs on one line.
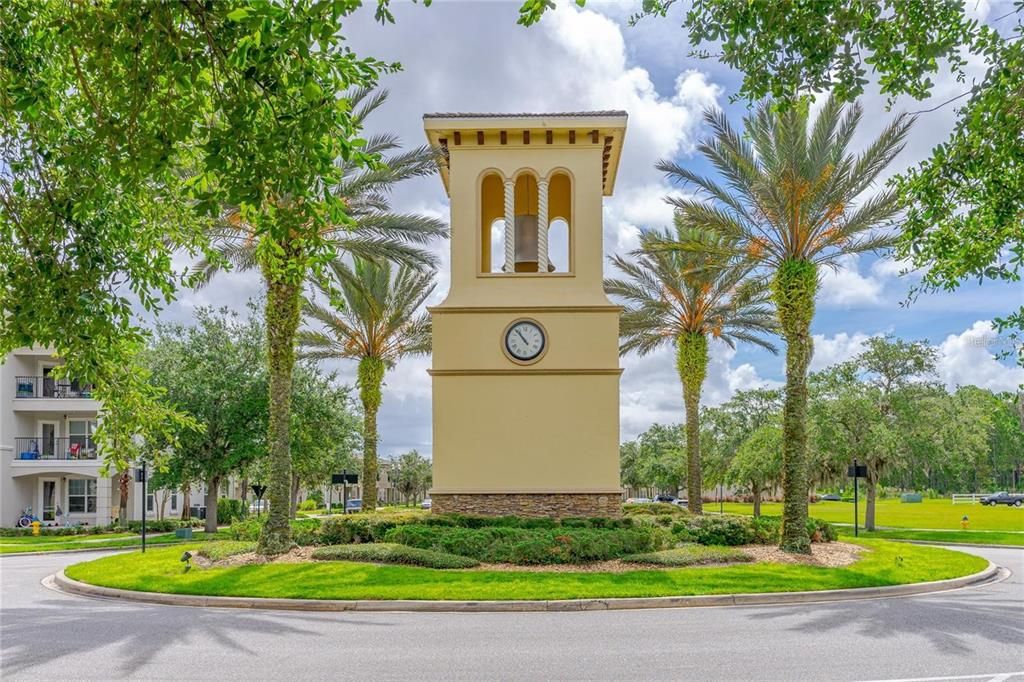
{"points": [[305, 532], [502, 544], [690, 555], [222, 549], [229, 511], [350, 528], [825, 531], [388, 553], [715, 530], [308, 505], [653, 509]]}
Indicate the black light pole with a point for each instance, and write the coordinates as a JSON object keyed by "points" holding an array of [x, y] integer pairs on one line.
{"points": [[856, 529], [140, 476], [344, 503], [721, 500]]}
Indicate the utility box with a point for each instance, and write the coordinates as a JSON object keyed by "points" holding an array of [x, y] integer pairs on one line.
{"points": [[184, 533], [911, 497]]}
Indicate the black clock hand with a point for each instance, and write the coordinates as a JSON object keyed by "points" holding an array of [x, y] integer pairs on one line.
{"points": [[522, 337]]}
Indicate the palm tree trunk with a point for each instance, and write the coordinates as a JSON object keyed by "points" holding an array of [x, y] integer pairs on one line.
{"points": [[793, 290], [212, 491], [692, 364], [124, 481], [282, 317], [757, 500], [371, 377], [869, 506]]}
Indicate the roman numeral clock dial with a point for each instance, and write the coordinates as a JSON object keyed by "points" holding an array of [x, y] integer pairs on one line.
{"points": [[525, 341]]}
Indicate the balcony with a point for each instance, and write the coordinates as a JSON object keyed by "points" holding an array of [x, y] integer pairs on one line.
{"points": [[48, 387], [69, 448]]}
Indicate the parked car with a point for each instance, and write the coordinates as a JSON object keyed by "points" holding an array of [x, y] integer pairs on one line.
{"points": [[665, 499], [638, 500], [353, 506], [1003, 497], [259, 506], [681, 503], [425, 504], [829, 497]]}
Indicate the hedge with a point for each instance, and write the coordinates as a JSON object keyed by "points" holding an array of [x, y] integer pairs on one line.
{"points": [[389, 553], [743, 530], [504, 544]]}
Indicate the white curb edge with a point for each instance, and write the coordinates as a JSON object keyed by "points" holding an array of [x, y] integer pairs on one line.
{"points": [[66, 584]]}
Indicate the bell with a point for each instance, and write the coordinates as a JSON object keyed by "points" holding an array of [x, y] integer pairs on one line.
{"points": [[526, 243]]}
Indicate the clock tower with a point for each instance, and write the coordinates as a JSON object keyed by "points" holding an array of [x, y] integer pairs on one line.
{"points": [[525, 365]]}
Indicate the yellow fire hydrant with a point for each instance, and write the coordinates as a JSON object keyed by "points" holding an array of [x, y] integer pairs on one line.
{"points": [[35, 527], [964, 522]]}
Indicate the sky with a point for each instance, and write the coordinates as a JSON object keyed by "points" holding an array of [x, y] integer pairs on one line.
{"points": [[472, 56]]}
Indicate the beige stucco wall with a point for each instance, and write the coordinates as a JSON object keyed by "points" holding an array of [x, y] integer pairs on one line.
{"points": [[547, 427]]}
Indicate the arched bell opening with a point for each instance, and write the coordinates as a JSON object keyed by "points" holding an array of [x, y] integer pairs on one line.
{"points": [[527, 205], [492, 223], [559, 247]]}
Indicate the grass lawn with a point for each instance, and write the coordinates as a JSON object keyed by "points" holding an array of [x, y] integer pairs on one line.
{"points": [[929, 514], [23, 545], [887, 563], [968, 536]]}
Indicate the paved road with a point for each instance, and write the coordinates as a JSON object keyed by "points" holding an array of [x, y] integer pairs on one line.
{"points": [[975, 633]]}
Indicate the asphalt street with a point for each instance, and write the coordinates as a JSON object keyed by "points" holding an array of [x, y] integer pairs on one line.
{"points": [[973, 633]]}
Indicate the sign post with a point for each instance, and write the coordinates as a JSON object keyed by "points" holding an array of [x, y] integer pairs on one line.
{"points": [[343, 479], [140, 477], [856, 471], [258, 490]]}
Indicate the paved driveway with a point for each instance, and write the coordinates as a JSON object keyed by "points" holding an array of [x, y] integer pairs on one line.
{"points": [[974, 633]]}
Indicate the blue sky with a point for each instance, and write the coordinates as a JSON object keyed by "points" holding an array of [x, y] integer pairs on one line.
{"points": [[471, 56]]}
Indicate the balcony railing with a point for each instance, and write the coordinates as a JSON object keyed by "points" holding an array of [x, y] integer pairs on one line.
{"points": [[48, 387], [70, 447]]}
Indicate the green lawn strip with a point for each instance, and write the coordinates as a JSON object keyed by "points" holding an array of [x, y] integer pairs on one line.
{"points": [[130, 541], [929, 514], [965, 536], [886, 563], [63, 539]]}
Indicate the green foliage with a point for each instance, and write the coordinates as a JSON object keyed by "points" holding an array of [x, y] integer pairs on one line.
{"points": [[503, 544], [231, 510], [758, 461], [654, 509], [389, 553], [222, 549], [827, 47], [412, 475], [966, 202], [689, 555], [122, 141], [304, 532], [742, 530], [308, 505], [364, 527]]}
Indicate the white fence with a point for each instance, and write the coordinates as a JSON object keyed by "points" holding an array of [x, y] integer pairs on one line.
{"points": [[971, 498]]}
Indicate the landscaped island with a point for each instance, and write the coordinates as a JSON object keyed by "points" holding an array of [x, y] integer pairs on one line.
{"points": [[474, 558]]}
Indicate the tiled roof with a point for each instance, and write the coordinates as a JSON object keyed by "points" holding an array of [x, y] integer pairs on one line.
{"points": [[555, 114]]}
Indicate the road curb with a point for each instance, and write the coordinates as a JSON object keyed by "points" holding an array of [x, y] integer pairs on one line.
{"points": [[935, 543], [66, 584]]}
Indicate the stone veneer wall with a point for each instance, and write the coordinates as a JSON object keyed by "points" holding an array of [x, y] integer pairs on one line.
{"points": [[554, 505]]}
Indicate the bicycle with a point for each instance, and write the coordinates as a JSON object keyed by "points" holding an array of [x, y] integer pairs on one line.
{"points": [[27, 518]]}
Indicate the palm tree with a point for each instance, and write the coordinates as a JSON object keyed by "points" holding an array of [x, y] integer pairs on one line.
{"points": [[684, 298], [378, 325], [791, 202], [369, 230]]}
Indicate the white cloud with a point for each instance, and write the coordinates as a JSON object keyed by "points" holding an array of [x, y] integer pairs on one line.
{"points": [[651, 391], [970, 358], [839, 348], [845, 286], [889, 268]]}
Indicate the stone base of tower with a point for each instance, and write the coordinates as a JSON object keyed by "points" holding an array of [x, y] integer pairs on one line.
{"points": [[551, 505]]}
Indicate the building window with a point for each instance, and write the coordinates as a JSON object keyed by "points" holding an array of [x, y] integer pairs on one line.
{"points": [[225, 488], [150, 499], [82, 495], [174, 502], [80, 441]]}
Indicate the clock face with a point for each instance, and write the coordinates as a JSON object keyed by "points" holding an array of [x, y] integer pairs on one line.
{"points": [[524, 340]]}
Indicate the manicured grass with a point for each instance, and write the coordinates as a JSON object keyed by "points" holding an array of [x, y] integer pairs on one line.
{"points": [[62, 539], [966, 536], [887, 563], [9, 546], [929, 514]]}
